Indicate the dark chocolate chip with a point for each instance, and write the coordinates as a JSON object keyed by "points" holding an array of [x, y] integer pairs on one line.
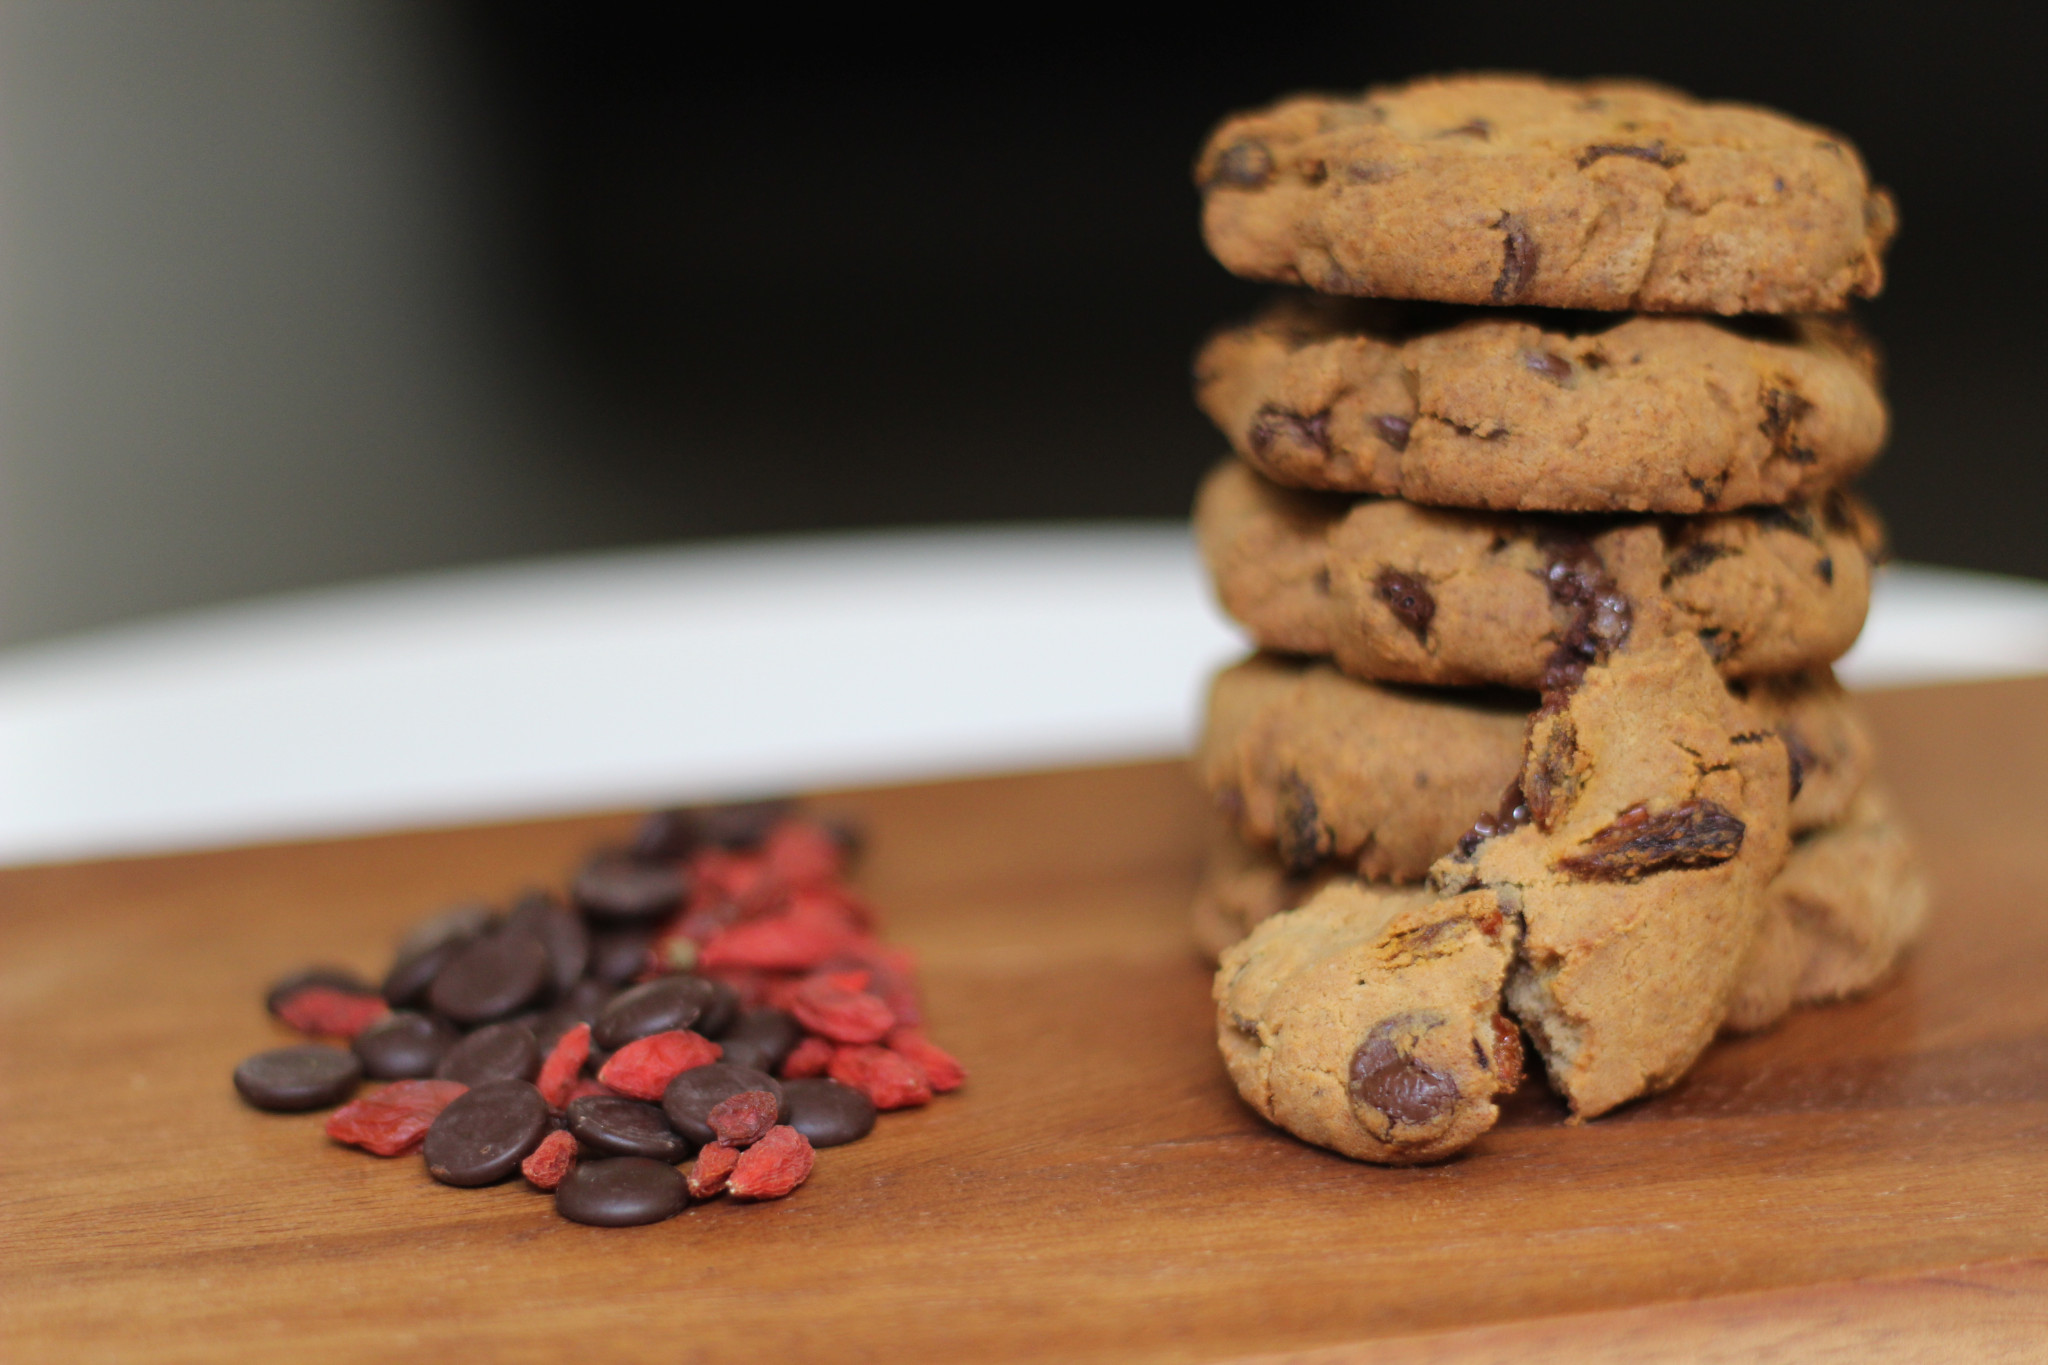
{"points": [[619, 955], [1387, 1078], [288, 1080], [1800, 759], [616, 890], [411, 978], [561, 933], [333, 978], [403, 1045], [1273, 426], [1784, 408], [766, 1035], [1694, 834], [691, 1095], [720, 1011], [1393, 430], [1519, 257], [496, 1052], [612, 1125], [490, 978], [1548, 364], [667, 1002], [672, 835], [826, 1112], [1653, 153], [1408, 597], [483, 1135], [1692, 558], [1246, 165], [1303, 840], [621, 1192], [1826, 569]]}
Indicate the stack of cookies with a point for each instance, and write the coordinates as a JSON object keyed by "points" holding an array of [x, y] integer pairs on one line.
{"points": [[1538, 515]]}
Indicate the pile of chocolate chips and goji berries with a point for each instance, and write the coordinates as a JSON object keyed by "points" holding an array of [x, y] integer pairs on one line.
{"points": [[712, 990]]}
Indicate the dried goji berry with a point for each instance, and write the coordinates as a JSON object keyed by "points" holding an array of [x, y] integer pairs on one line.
{"points": [[394, 1120], [550, 1161], [807, 1059], [564, 1066], [890, 1080], [325, 1012], [802, 853], [643, 1068], [796, 939], [774, 1166], [832, 1011], [938, 1065], [741, 1119], [720, 874], [708, 1174]]}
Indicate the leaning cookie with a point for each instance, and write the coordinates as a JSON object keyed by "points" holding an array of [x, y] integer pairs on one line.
{"points": [[1652, 817], [1382, 781], [1850, 898], [1472, 408], [1402, 593], [1515, 190], [1368, 1021]]}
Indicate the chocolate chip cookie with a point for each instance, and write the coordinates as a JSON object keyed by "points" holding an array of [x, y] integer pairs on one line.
{"points": [[1517, 190], [1382, 781], [1545, 412], [1402, 593], [1368, 1021]]}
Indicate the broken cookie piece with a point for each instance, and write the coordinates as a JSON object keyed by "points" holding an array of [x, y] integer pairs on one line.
{"points": [[1368, 1021]]}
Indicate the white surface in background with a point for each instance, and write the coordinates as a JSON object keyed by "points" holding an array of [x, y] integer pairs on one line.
{"points": [[693, 673]]}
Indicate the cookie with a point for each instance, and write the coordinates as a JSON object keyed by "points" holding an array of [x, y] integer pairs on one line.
{"points": [[1383, 781], [1368, 1021], [1652, 815], [1850, 898], [1516, 190], [1532, 412], [1402, 593]]}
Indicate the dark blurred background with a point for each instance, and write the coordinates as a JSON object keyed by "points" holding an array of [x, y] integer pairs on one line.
{"points": [[292, 293]]}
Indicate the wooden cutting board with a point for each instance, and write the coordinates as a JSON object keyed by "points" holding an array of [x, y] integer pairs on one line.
{"points": [[1869, 1179]]}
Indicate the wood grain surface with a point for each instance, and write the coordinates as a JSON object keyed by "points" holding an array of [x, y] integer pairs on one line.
{"points": [[1868, 1181]]}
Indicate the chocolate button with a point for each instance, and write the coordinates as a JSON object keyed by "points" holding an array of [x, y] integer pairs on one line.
{"points": [[761, 1038], [483, 1136], [618, 955], [721, 1011], [410, 978], [562, 934], [620, 1192], [691, 1095], [612, 1125], [580, 1006], [668, 1002], [491, 978], [616, 890], [404, 1045], [458, 925], [827, 1112], [287, 1080], [497, 1052]]}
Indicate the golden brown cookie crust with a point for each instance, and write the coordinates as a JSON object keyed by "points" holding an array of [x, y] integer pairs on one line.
{"points": [[1368, 1021], [1402, 593], [1383, 781], [1506, 189], [1523, 412], [1849, 900]]}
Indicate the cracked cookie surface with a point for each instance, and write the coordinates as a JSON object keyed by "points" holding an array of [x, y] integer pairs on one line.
{"points": [[1368, 1021], [1402, 593], [1653, 815], [1516, 190], [1535, 412], [1382, 781]]}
